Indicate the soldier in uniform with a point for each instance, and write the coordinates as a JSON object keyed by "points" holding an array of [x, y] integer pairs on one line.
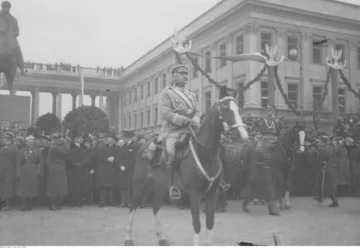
{"points": [[10, 28], [57, 186], [8, 154], [179, 110], [44, 149], [28, 172], [125, 161]]}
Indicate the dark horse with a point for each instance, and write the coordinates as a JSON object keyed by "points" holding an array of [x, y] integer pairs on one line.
{"points": [[199, 170], [8, 63], [271, 182]]}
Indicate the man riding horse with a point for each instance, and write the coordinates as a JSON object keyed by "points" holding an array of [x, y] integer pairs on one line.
{"points": [[179, 110], [270, 127], [9, 30]]}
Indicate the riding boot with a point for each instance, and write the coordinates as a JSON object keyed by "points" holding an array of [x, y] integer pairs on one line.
{"points": [[273, 208], [52, 203], [103, 193], [29, 204], [174, 192], [24, 205], [335, 202], [245, 205], [111, 197]]}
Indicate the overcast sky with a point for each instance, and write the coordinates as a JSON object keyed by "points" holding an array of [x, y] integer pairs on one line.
{"points": [[99, 32]]}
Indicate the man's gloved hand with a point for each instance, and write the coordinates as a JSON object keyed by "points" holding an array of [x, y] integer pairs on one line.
{"points": [[111, 159], [195, 123], [182, 120]]}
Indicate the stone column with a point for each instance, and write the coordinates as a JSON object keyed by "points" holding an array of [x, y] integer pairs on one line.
{"points": [[53, 102], [93, 98], [335, 96], [58, 103], [120, 111], [35, 105], [252, 45], [73, 101], [352, 102], [282, 46], [101, 101], [329, 103], [305, 87]]}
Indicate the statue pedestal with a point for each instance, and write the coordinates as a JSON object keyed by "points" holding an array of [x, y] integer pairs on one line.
{"points": [[15, 110]]}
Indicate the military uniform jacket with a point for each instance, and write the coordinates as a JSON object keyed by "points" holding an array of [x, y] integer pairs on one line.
{"points": [[175, 106], [126, 158], [29, 168], [7, 171]]}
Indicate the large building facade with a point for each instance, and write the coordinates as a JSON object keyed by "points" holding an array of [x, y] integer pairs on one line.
{"points": [[234, 27]]}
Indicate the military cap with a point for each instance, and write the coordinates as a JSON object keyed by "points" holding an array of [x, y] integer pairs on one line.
{"points": [[179, 68], [128, 134], [8, 135], [29, 137], [324, 139], [6, 4]]}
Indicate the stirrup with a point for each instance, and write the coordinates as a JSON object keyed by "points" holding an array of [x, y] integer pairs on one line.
{"points": [[174, 193], [224, 186]]}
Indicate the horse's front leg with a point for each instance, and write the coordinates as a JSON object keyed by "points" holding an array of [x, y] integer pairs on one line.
{"points": [[287, 199], [157, 203], [129, 229], [195, 214], [210, 205]]}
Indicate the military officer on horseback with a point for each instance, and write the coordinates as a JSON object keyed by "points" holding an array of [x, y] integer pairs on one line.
{"points": [[179, 110], [269, 126], [10, 29]]}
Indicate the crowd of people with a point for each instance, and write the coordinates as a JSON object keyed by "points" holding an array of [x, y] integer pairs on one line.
{"points": [[66, 67], [57, 169]]}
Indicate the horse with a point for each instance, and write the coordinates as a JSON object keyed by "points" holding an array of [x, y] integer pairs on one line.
{"points": [[273, 181], [199, 169], [8, 63]]}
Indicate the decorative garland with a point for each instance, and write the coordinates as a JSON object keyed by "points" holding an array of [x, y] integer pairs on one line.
{"points": [[348, 85], [326, 90]]}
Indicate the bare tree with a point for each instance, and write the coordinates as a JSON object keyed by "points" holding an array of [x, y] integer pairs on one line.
{"points": [[316, 110]]}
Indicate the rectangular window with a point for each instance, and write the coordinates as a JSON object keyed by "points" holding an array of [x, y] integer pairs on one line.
{"points": [[265, 38], [164, 80], [208, 62], [240, 44], [317, 94], [129, 96], [342, 100], [135, 94], [148, 117], [156, 86], [155, 115], [142, 91], [135, 120], [358, 59], [222, 49], [241, 100], [293, 50], [141, 119], [195, 71], [264, 94], [149, 89], [293, 94], [124, 122], [316, 54], [342, 48], [207, 100]]}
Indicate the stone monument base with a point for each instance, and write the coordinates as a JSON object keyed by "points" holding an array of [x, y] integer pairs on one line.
{"points": [[15, 110]]}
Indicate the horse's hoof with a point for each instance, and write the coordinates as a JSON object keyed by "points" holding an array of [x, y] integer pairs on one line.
{"points": [[129, 242], [163, 242]]}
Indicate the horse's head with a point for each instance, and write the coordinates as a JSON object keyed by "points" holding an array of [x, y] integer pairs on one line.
{"points": [[229, 113], [295, 135]]}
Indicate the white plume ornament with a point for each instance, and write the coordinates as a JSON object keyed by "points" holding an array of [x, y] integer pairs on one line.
{"points": [[179, 40], [335, 63]]}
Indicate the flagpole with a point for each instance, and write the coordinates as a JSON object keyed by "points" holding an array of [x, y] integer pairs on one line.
{"points": [[81, 97]]}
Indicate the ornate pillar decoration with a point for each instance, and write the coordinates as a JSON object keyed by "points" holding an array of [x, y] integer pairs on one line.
{"points": [[35, 104], [73, 96]]}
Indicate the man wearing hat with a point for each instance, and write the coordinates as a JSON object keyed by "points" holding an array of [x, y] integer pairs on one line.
{"points": [[28, 171], [125, 161], [8, 154], [10, 28], [44, 142], [106, 170], [179, 109]]}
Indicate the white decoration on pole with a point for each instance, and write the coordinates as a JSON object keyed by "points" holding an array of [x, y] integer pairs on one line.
{"points": [[335, 63], [179, 40]]}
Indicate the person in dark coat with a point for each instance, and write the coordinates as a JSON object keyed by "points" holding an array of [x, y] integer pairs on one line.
{"points": [[125, 161], [29, 168], [326, 178], [57, 179], [106, 170], [8, 154], [78, 171], [44, 149], [90, 165]]}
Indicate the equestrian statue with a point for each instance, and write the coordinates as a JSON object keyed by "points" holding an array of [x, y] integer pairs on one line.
{"points": [[11, 56]]}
